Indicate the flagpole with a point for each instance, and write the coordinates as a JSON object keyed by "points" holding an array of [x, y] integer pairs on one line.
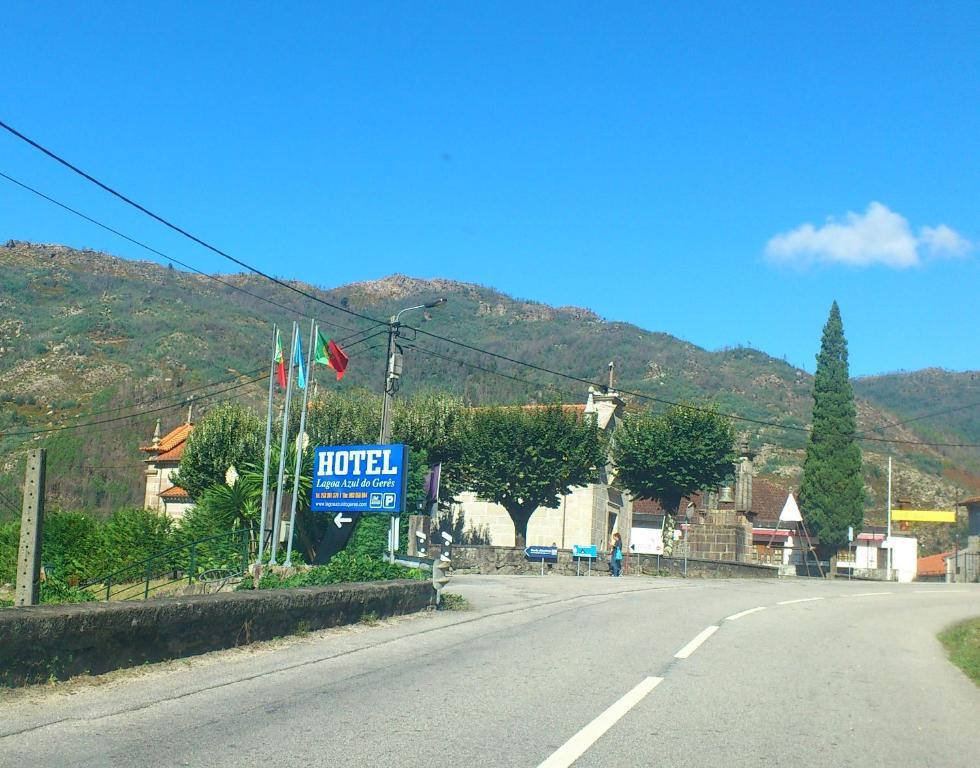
{"points": [[268, 446], [299, 446], [282, 449]]}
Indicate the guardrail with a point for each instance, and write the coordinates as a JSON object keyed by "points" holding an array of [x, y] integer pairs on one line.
{"points": [[222, 557]]}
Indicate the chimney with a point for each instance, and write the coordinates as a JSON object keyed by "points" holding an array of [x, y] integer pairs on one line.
{"points": [[156, 435]]}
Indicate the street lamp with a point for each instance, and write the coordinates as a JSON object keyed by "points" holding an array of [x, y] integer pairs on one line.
{"points": [[393, 372], [393, 367]]}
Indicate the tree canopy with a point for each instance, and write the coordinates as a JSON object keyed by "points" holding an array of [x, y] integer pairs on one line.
{"points": [[670, 455], [525, 458], [832, 490], [230, 434]]}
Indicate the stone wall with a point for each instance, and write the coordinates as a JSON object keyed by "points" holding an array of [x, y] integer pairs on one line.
{"points": [[59, 641], [490, 560], [721, 535]]}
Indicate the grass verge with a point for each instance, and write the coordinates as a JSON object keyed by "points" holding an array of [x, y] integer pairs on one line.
{"points": [[962, 642], [451, 602]]}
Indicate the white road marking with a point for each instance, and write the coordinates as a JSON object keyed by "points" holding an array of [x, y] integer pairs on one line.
{"points": [[801, 600], [576, 746], [940, 591], [737, 616], [692, 646], [868, 594]]}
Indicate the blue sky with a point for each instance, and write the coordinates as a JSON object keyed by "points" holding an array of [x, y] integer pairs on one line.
{"points": [[655, 162]]}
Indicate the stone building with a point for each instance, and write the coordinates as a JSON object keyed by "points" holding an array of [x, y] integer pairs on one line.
{"points": [[588, 515], [965, 563], [736, 522], [164, 452]]}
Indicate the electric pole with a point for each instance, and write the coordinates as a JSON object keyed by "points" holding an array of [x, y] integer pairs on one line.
{"points": [[393, 373]]}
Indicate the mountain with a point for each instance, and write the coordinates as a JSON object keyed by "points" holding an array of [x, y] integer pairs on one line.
{"points": [[83, 334]]}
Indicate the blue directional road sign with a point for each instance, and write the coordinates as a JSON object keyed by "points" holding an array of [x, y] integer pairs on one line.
{"points": [[585, 550], [360, 478], [541, 553]]}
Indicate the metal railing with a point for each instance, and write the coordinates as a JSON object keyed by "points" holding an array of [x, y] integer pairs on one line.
{"points": [[228, 554]]}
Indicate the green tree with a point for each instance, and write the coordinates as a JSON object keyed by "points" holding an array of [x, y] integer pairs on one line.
{"points": [[133, 535], [670, 455], [434, 424], [229, 435], [525, 458], [832, 491], [342, 418], [72, 545]]}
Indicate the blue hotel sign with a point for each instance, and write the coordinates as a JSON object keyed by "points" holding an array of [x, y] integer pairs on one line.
{"points": [[359, 478]]}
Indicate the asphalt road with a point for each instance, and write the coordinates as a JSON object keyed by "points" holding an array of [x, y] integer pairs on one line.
{"points": [[549, 672]]}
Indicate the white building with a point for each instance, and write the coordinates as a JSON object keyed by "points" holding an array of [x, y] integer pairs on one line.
{"points": [[868, 556], [161, 494]]}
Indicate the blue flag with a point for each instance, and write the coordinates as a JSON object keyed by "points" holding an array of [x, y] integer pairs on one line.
{"points": [[298, 361]]}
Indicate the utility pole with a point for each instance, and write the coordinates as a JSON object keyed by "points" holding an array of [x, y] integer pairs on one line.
{"points": [[393, 373], [888, 527], [31, 525]]}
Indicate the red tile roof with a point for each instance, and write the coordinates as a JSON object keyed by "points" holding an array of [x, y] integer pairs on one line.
{"points": [[170, 440], [171, 446], [933, 565], [768, 499], [175, 492], [173, 454], [566, 407]]}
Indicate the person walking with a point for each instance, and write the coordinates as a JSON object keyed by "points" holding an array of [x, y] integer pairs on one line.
{"points": [[616, 555]]}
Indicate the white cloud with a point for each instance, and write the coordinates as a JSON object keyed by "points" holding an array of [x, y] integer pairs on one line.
{"points": [[943, 241], [878, 236]]}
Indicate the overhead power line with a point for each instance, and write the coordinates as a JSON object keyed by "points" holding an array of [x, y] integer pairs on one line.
{"points": [[170, 225], [659, 400], [181, 396], [161, 254], [57, 158], [942, 412], [64, 427], [474, 366]]}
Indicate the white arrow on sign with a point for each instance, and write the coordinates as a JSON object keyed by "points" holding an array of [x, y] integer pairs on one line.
{"points": [[339, 519]]}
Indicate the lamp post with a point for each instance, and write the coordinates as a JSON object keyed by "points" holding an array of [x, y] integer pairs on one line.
{"points": [[393, 372]]}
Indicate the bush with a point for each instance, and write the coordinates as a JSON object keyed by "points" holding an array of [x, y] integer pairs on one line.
{"points": [[133, 535], [9, 543], [72, 545], [205, 523], [55, 590], [229, 435], [343, 568]]}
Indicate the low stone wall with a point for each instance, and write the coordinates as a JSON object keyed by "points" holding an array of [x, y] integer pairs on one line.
{"points": [[511, 560], [700, 568], [58, 641]]}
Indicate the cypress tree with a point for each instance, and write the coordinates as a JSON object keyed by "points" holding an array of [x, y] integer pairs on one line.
{"points": [[832, 491]]}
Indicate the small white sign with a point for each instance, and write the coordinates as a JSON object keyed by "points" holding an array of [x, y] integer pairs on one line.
{"points": [[791, 512]]}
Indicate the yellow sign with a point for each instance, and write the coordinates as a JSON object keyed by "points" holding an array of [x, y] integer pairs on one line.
{"points": [[924, 515]]}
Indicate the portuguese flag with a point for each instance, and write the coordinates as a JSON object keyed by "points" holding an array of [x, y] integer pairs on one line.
{"points": [[329, 353], [280, 363]]}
